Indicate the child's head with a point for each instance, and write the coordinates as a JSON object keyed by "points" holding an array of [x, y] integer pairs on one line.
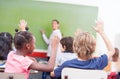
{"points": [[67, 44], [5, 44], [84, 45], [24, 41], [55, 24], [116, 55]]}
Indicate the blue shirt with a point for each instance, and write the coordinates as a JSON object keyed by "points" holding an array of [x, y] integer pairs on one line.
{"points": [[94, 63]]}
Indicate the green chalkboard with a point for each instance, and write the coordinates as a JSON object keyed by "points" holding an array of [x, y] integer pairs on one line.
{"points": [[39, 15]]}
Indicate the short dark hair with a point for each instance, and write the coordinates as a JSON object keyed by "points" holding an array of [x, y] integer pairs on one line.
{"points": [[22, 38], [115, 55], [5, 44], [56, 21], [68, 43]]}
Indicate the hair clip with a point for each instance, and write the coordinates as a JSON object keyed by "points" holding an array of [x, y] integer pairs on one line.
{"points": [[16, 30], [26, 28]]}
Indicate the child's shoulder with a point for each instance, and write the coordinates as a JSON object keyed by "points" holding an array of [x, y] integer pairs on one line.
{"points": [[11, 52]]}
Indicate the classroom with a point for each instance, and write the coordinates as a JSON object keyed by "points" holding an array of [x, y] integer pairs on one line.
{"points": [[71, 15]]}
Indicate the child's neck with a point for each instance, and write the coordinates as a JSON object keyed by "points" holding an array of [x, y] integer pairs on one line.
{"points": [[20, 53], [81, 59]]}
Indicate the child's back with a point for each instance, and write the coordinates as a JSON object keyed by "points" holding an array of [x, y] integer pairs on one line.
{"points": [[18, 63]]}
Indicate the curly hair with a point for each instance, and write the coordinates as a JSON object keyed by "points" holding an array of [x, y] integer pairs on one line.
{"points": [[21, 38]]}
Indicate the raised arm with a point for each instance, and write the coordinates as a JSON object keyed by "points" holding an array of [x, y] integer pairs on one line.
{"points": [[99, 28], [51, 63]]}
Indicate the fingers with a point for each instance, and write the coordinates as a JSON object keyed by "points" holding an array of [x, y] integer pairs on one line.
{"points": [[22, 25], [93, 27], [42, 31], [78, 31], [99, 26], [23, 21]]}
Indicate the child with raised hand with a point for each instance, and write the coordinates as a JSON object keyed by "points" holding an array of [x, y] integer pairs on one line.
{"points": [[19, 62], [84, 45], [22, 26]]}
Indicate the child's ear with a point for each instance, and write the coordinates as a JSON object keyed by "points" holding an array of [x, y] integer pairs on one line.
{"points": [[64, 47], [28, 46]]}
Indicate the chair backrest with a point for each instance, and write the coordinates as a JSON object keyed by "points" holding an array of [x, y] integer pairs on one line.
{"points": [[73, 73], [11, 76]]}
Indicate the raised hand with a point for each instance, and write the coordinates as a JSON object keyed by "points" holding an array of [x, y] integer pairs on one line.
{"points": [[22, 25], [99, 26], [78, 31]]}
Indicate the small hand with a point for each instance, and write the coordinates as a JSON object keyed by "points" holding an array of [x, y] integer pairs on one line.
{"points": [[99, 26], [42, 31], [78, 31], [22, 25]]}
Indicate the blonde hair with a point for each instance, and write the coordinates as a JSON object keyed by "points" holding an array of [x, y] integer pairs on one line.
{"points": [[84, 45]]}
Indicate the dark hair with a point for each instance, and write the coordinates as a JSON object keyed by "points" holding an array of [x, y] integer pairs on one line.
{"points": [[56, 21], [21, 38], [115, 55], [68, 43], [5, 44]]}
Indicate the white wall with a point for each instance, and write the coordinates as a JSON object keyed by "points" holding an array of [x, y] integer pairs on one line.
{"points": [[109, 12], [78, 2]]}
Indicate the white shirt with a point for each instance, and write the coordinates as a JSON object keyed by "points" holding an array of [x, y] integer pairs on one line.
{"points": [[48, 41], [65, 57], [115, 66]]}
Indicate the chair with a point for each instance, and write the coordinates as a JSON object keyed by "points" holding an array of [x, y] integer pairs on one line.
{"points": [[73, 73], [11, 76]]}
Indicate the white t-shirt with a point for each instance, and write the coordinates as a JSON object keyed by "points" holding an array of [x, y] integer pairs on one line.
{"points": [[48, 41], [115, 66], [65, 57]]}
